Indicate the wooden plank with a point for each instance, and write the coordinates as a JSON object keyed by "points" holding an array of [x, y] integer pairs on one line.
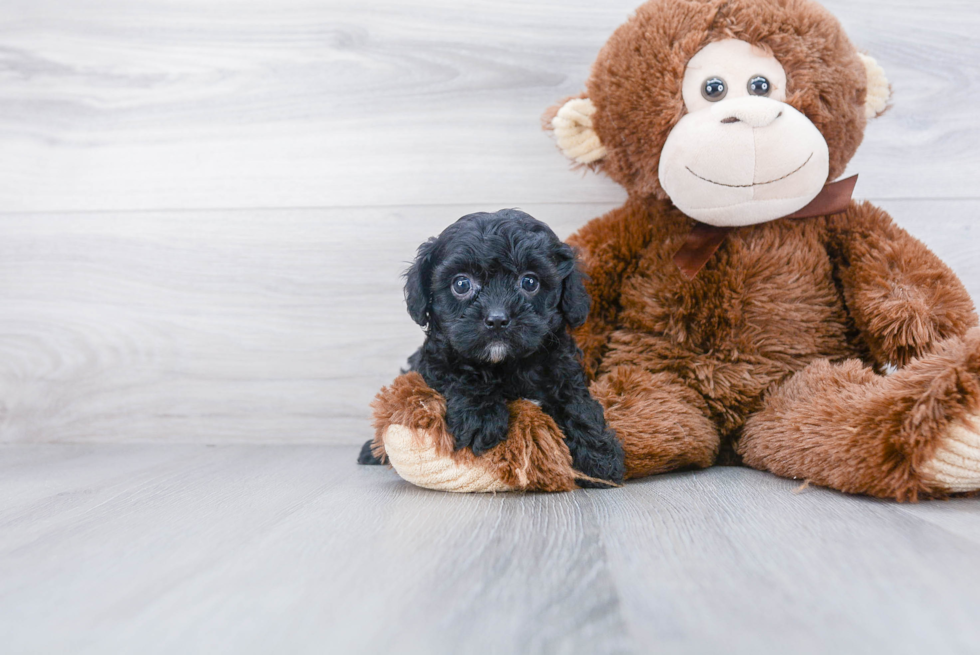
{"points": [[243, 326], [737, 561], [246, 549], [958, 516], [111, 105], [295, 549]]}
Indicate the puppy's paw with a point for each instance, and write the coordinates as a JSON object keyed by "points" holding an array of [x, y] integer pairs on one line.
{"points": [[478, 429], [462, 430], [488, 438], [367, 455], [600, 457], [955, 466]]}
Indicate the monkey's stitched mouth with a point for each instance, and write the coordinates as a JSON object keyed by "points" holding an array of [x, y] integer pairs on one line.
{"points": [[746, 186]]}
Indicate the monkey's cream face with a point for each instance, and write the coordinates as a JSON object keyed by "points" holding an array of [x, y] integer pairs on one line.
{"points": [[741, 155]]}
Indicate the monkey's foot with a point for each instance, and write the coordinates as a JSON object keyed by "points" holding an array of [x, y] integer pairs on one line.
{"points": [[415, 458], [411, 433], [955, 466]]}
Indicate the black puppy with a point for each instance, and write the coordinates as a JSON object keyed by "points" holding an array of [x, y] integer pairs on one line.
{"points": [[496, 294]]}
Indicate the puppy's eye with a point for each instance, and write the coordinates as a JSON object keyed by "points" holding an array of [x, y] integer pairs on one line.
{"points": [[714, 89], [530, 284], [759, 86], [462, 286]]}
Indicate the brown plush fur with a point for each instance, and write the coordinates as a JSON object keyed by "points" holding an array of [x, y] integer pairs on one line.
{"points": [[902, 298], [869, 433], [775, 298], [774, 351], [635, 83], [534, 456], [780, 337], [409, 401], [640, 403]]}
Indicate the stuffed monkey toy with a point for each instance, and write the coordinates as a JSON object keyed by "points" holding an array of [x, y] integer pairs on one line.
{"points": [[744, 308]]}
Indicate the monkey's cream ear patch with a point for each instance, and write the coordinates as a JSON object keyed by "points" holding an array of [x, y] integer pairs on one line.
{"points": [[879, 90], [573, 130]]}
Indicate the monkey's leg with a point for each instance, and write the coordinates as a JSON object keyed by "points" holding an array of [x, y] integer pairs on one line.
{"points": [[915, 433], [661, 422]]}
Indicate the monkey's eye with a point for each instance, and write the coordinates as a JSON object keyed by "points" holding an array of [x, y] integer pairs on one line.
{"points": [[714, 89], [759, 86], [530, 284], [462, 287]]}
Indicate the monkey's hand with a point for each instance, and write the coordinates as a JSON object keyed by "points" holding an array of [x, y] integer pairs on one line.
{"points": [[411, 433]]}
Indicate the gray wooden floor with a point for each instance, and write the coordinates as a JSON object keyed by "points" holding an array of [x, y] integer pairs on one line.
{"points": [[294, 549], [204, 210]]}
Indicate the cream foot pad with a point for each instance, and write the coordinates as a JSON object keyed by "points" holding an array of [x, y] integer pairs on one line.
{"points": [[414, 456], [956, 464]]}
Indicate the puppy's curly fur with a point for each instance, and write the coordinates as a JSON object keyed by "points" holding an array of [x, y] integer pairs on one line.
{"points": [[496, 294]]}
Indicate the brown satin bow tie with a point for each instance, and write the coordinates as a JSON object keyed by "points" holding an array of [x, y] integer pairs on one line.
{"points": [[704, 240]]}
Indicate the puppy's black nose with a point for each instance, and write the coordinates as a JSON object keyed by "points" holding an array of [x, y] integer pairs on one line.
{"points": [[496, 320]]}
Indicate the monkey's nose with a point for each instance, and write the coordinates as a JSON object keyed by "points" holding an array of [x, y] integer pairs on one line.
{"points": [[754, 113], [496, 320]]}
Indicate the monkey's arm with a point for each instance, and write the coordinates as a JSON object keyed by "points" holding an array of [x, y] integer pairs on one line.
{"points": [[608, 248], [903, 298]]}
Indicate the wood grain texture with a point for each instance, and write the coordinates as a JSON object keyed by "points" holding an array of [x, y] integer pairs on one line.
{"points": [[205, 208], [739, 561], [244, 326], [114, 105], [252, 549]]}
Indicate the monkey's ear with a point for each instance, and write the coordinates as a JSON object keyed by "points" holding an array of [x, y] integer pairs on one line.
{"points": [[572, 124], [418, 283], [879, 90], [575, 300]]}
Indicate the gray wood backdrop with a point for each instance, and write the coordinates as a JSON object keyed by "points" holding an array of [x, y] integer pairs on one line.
{"points": [[205, 207]]}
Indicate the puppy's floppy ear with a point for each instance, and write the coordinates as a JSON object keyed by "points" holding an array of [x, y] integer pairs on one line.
{"points": [[418, 283], [575, 300]]}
